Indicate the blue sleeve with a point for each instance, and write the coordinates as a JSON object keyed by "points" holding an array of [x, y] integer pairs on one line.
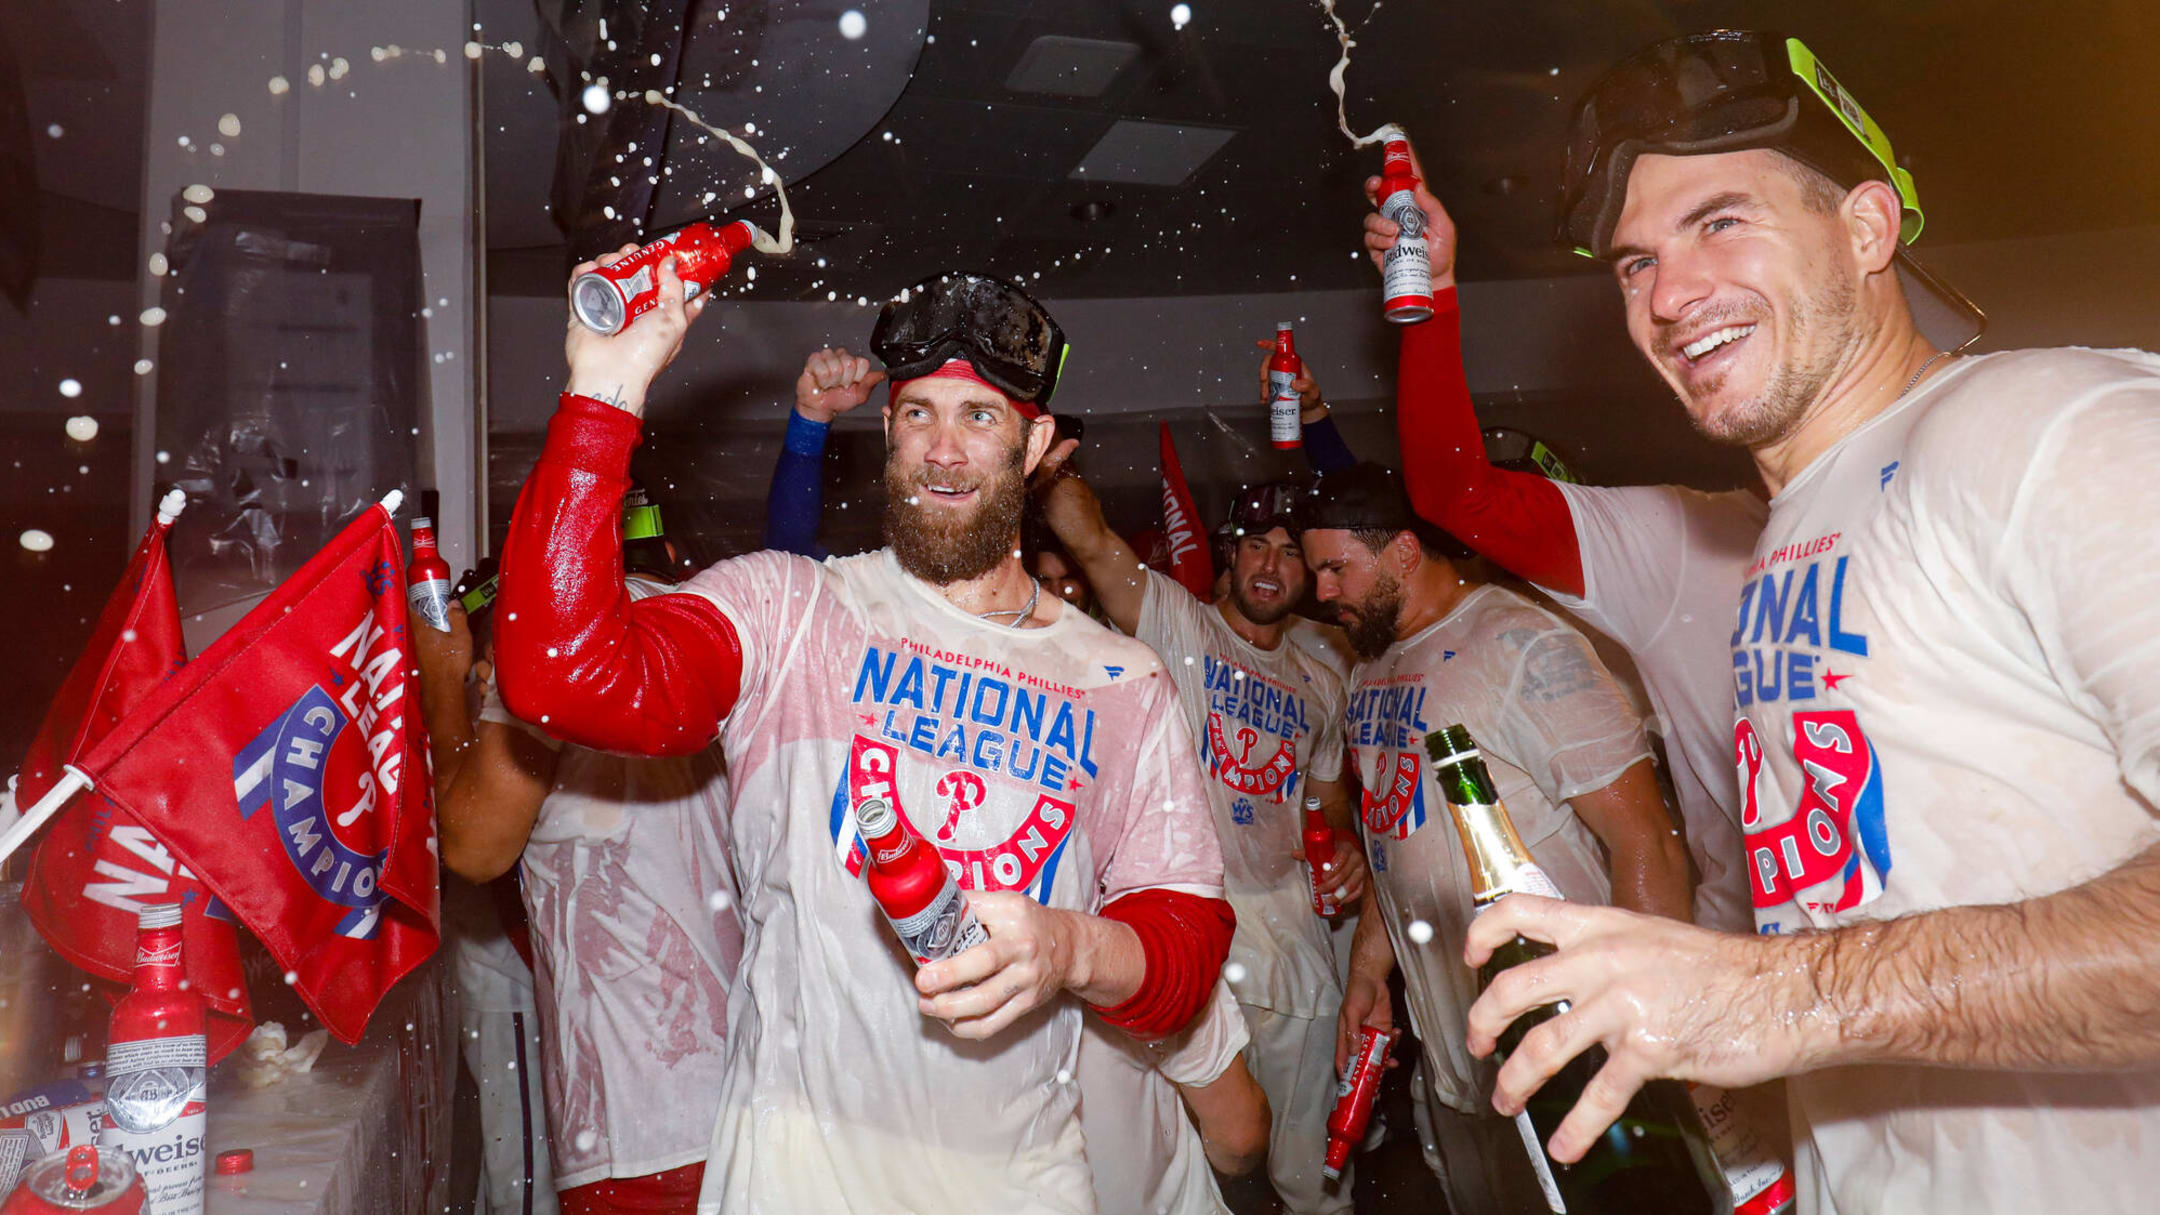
{"points": [[1324, 447], [797, 496]]}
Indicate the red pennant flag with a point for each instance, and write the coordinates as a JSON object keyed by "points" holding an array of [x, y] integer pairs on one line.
{"points": [[97, 867], [1190, 562], [287, 766]]}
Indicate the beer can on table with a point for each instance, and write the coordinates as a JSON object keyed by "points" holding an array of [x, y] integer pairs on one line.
{"points": [[83, 1178], [607, 298]]}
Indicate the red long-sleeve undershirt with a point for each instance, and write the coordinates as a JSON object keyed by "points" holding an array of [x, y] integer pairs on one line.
{"points": [[1519, 520], [656, 676]]}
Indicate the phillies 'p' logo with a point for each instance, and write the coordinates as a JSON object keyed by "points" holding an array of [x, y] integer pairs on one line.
{"points": [[310, 769], [962, 791], [1833, 853]]}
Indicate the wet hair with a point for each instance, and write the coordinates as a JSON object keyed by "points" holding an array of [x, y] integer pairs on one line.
{"points": [[1369, 501]]}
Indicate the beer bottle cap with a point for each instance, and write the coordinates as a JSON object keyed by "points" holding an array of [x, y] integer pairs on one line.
{"points": [[874, 815], [159, 915], [237, 1160]]}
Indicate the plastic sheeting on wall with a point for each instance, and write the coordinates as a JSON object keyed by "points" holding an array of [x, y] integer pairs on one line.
{"points": [[291, 385]]}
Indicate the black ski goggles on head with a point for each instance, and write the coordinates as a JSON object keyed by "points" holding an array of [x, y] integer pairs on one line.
{"points": [[999, 329], [1722, 91], [1260, 509]]}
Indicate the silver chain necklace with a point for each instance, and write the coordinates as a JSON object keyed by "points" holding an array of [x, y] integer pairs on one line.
{"points": [[1019, 614], [1917, 374]]}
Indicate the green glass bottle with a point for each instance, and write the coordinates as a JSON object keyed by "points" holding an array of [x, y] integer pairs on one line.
{"points": [[1655, 1158], [646, 549]]}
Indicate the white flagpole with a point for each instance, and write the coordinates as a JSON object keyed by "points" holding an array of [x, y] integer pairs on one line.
{"points": [[18, 833], [392, 500]]}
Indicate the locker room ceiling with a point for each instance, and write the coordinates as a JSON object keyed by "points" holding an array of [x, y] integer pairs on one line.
{"points": [[2017, 119]]}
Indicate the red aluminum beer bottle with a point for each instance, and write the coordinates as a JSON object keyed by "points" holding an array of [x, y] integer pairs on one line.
{"points": [[917, 895], [1319, 853], [1285, 429], [1354, 1095], [1406, 269], [80, 1181], [607, 298], [156, 1065], [427, 579]]}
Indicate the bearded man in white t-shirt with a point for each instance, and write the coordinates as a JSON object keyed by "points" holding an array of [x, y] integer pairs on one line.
{"points": [[1566, 749], [1947, 670], [1043, 757]]}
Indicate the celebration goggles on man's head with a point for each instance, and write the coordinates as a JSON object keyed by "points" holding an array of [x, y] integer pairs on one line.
{"points": [[1262, 508], [1000, 331], [1722, 91]]}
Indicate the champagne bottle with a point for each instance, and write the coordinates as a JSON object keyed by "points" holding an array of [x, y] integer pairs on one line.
{"points": [[1655, 1157]]}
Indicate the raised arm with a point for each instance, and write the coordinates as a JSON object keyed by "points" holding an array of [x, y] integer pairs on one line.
{"points": [[832, 383], [1071, 509], [1517, 519], [575, 655]]}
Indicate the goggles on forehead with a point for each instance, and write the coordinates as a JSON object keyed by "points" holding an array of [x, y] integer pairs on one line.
{"points": [[1722, 91], [1008, 338], [1261, 508]]}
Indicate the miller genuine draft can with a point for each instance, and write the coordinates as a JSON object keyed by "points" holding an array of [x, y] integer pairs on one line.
{"points": [[1655, 1157]]}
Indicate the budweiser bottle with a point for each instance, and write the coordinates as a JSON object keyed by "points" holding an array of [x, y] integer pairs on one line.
{"points": [[1655, 1156], [427, 580], [1406, 269], [80, 1181], [155, 1067], [1354, 1095], [1285, 429], [1319, 854], [609, 297], [907, 877]]}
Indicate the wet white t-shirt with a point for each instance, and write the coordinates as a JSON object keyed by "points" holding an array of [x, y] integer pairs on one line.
{"points": [[1948, 657], [1324, 642], [635, 940], [1662, 567], [1051, 761], [1145, 1152], [1552, 724], [1266, 722]]}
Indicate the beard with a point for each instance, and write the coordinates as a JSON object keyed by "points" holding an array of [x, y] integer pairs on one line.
{"points": [[1793, 387], [1370, 626], [941, 545]]}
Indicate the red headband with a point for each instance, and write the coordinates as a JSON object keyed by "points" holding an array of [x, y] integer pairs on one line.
{"points": [[961, 369]]}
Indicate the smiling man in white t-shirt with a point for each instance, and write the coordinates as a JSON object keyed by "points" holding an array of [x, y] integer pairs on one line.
{"points": [[1948, 674]]}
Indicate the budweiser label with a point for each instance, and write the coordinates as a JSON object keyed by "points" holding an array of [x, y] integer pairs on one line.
{"points": [[1760, 1182], [1283, 407], [1323, 904], [1539, 1165], [1406, 269], [154, 1111], [430, 601], [946, 927]]}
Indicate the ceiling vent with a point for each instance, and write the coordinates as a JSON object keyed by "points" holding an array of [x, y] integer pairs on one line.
{"points": [[1070, 67], [1151, 153]]}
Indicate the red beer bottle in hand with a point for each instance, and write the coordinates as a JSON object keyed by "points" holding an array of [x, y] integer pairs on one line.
{"points": [[1354, 1095], [1319, 855], [1285, 429], [918, 897], [427, 581], [1406, 269]]}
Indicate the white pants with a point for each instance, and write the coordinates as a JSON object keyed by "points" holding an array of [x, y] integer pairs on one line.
{"points": [[1293, 1058], [502, 1050]]}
